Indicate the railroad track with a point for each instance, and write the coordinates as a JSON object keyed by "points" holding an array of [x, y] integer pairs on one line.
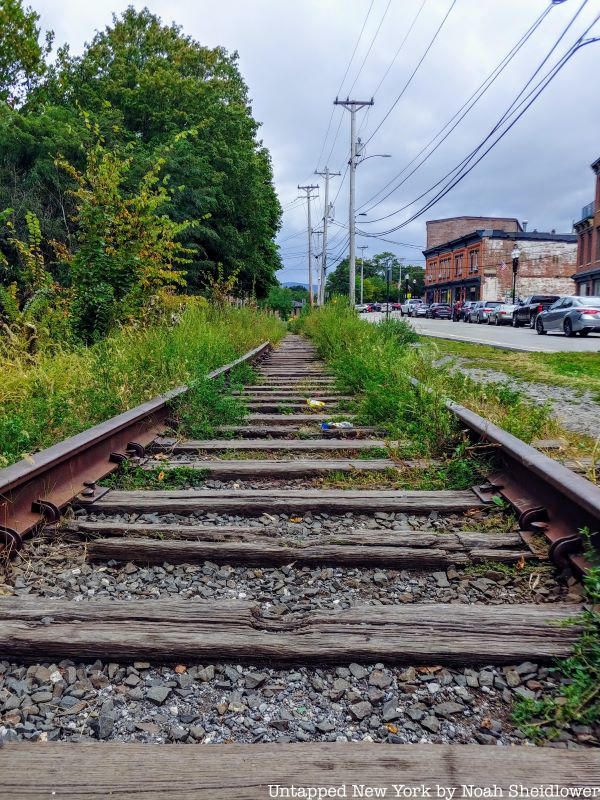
{"points": [[303, 635]]}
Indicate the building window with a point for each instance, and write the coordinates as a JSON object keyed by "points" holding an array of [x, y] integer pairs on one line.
{"points": [[473, 261], [458, 265], [598, 244]]}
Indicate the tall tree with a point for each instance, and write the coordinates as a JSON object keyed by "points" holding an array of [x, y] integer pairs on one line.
{"points": [[161, 82], [22, 56]]}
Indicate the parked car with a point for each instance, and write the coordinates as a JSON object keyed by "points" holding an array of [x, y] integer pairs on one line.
{"points": [[407, 305], [501, 315], [362, 308], [396, 307], [374, 306], [439, 311], [481, 311], [412, 311], [466, 309], [571, 315], [528, 309], [420, 310]]}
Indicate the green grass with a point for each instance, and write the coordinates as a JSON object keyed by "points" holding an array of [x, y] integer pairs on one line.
{"points": [[130, 478], [375, 362], [455, 473], [577, 699], [578, 371], [47, 398]]}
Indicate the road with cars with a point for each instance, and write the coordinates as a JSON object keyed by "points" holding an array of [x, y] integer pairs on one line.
{"points": [[503, 336]]}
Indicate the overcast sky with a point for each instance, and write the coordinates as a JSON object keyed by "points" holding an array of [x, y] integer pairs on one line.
{"points": [[293, 56]]}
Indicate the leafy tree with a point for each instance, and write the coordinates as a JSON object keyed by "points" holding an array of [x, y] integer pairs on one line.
{"points": [[22, 57], [280, 299], [375, 284], [160, 82], [127, 250]]}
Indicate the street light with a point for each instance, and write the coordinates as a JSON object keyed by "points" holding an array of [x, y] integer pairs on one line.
{"points": [[515, 267]]}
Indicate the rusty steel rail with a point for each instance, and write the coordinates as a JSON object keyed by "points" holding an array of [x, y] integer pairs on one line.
{"points": [[34, 491], [550, 499]]}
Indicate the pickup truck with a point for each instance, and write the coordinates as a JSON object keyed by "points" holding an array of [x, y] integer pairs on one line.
{"points": [[527, 310], [409, 306]]}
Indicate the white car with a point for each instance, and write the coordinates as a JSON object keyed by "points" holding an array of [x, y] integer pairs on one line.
{"points": [[408, 306]]}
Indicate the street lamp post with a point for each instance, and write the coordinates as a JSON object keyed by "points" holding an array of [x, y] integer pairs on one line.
{"points": [[515, 268]]}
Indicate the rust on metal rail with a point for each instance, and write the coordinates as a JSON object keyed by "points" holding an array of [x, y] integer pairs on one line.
{"points": [[549, 498], [34, 491]]}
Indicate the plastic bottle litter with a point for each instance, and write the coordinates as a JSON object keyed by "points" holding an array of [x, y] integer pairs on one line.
{"points": [[326, 426], [315, 403]]}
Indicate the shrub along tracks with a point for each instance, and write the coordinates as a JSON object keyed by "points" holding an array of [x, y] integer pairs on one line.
{"points": [[366, 614]]}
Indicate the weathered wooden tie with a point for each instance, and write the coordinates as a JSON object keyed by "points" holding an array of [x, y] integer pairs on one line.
{"points": [[194, 446], [269, 550], [285, 501], [254, 468], [96, 771], [175, 630]]}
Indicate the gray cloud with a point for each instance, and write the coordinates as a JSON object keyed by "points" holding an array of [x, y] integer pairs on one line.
{"points": [[293, 55]]}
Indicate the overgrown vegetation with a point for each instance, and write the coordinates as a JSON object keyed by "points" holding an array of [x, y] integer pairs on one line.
{"points": [[456, 472], [48, 397], [376, 363], [130, 478], [579, 371], [126, 172], [576, 701]]}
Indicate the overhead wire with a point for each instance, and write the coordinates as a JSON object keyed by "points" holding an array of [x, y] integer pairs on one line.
{"points": [[414, 72], [333, 110], [375, 35], [399, 50], [459, 115], [460, 171]]}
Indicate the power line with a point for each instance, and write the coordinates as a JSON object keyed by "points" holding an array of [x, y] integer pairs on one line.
{"points": [[542, 84], [375, 35], [333, 110], [510, 111], [398, 51], [414, 72], [466, 108]]}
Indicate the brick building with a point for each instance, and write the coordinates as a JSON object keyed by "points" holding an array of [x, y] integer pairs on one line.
{"points": [[587, 275], [470, 258]]}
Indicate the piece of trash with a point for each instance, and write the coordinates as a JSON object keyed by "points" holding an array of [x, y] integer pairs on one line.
{"points": [[295, 519], [311, 403], [344, 424]]}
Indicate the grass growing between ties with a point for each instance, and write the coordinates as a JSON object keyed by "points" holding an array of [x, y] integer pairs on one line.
{"points": [[129, 478], [456, 472], [576, 701], [375, 362], [578, 371], [48, 397]]}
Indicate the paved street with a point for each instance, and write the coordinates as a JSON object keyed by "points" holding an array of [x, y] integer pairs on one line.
{"points": [[503, 336]]}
